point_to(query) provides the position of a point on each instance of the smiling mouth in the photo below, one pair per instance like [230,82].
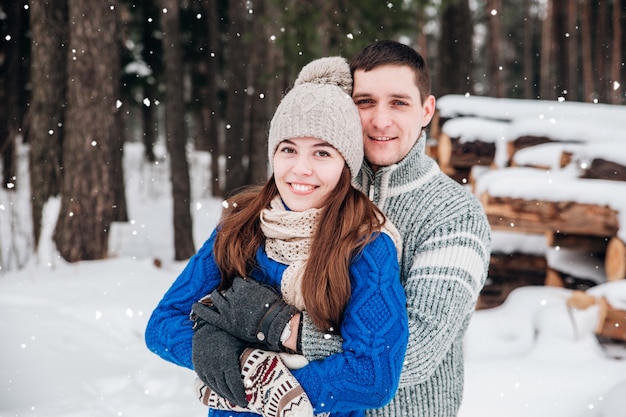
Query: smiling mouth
[381,138]
[302,187]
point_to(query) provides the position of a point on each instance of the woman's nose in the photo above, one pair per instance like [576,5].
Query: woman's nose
[302,166]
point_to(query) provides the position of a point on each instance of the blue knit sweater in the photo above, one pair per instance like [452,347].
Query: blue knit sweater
[374,330]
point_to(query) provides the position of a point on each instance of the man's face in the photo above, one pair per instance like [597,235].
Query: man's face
[392,113]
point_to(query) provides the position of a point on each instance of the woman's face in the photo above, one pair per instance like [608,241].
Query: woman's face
[306,171]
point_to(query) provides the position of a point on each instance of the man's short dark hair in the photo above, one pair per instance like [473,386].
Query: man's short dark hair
[388,52]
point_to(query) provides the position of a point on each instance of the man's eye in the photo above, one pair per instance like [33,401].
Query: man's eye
[363,102]
[399,103]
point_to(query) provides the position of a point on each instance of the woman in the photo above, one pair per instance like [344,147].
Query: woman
[309,233]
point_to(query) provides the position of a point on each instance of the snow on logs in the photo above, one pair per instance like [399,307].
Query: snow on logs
[573,213]
[474,131]
[555,169]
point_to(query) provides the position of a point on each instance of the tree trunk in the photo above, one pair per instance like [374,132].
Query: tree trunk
[560,48]
[87,191]
[14,65]
[151,46]
[616,87]
[601,50]
[529,69]
[263,67]
[48,28]
[573,51]
[212,111]
[586,52]
[236,110]
[149,122]
[495,42]
[456,49]
[421,39]
[175,131]
[120,211]
[545,73]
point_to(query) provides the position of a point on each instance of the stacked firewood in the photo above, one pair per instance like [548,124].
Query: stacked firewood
[541,168]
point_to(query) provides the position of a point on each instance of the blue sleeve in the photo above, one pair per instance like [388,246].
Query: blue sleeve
[169,329]
[375,333]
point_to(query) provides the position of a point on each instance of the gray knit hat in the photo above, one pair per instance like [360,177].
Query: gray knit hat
[320,106]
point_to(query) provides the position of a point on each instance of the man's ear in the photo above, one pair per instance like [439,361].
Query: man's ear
[429,110]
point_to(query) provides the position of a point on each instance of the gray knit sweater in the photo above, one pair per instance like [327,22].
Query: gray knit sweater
[446,249]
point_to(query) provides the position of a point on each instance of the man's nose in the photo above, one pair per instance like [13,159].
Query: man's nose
[381,118]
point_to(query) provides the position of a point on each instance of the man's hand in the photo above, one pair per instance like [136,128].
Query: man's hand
[251,311]
[215,357]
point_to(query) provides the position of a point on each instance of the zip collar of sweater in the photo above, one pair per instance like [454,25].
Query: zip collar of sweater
[414,170]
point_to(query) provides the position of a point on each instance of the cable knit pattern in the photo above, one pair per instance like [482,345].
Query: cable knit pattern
[445,258]
[374,330]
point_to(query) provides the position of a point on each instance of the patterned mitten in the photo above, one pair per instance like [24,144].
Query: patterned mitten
[271,389]
[212,399]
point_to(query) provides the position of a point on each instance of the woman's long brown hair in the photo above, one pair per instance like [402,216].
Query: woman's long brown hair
[347,223]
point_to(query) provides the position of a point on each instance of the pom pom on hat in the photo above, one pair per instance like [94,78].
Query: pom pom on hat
[333,70]
[320,106]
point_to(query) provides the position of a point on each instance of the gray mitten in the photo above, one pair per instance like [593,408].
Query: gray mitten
[251,311]
[215,357]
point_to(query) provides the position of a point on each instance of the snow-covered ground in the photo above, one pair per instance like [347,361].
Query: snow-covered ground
[73,333]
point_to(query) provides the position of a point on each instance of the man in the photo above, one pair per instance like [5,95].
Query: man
[445,233]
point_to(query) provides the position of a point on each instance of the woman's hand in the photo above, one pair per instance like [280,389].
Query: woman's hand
[215,357]
[250,311]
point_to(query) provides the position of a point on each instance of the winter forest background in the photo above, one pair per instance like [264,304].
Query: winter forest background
[81,78]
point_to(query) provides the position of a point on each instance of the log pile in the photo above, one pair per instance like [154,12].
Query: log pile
[591,228]
[474,135]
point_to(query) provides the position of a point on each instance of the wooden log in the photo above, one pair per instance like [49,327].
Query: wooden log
[435,125]
[460,175]
[566,159]
[468,154]
[432,149]
[539,216]
[605,170]
[533,165]
[585,243]
[612,322]
[581,300]
[444,151]
[453,154]
[545,156]
[524,142]
[615,260]
[556,278]
[508,271]
[528,141]
[520,268]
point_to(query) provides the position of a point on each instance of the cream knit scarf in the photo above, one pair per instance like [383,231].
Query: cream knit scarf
[288,236]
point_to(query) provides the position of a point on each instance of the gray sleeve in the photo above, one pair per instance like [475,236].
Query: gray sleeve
[317,344]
